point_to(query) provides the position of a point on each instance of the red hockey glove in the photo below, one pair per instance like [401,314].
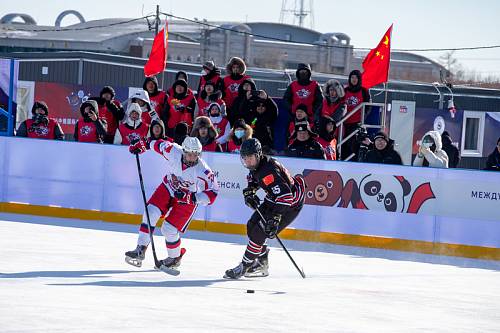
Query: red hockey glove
[138,146]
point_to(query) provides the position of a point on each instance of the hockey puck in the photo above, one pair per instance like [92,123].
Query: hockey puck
[250,291]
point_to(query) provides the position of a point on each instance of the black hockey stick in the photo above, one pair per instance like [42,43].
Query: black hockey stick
[301,272]
[157,263]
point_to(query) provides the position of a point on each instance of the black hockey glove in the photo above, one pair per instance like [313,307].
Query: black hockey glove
[185,197]
[251,199]
[272,225]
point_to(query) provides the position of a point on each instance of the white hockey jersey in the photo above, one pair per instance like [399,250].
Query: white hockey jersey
[198,179]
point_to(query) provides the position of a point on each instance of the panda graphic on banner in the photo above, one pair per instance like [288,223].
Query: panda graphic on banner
[371,192]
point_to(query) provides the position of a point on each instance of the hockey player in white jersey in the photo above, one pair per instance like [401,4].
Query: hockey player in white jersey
[188,182]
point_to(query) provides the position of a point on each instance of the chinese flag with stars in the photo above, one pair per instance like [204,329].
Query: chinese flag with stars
[158,56]
[376,63]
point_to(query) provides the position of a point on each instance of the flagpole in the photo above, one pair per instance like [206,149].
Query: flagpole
[386,84]
[157,24]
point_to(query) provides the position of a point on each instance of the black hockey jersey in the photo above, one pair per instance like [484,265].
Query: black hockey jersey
[281,188]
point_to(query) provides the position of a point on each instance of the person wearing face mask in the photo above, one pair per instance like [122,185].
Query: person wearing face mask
[220,122]
[204,130]
[90,128]
[111,110]
[239,133]
[157,97]
[355,94]
[210,73]
[148,113]
[382,151]
[180,106]
[133,128]
[40,126]
[430,152]
[235,69]
[304,91]
[208,96]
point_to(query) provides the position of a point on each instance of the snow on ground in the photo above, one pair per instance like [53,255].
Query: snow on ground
[61,275]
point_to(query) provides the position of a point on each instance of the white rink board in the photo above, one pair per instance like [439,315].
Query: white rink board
[104,178]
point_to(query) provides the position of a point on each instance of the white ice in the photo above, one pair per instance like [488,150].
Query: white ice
[59,275]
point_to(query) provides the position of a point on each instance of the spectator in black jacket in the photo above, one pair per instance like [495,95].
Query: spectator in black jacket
[304,143]
[246,90]
[382,151]
[261,113]
[180,132]
[493,161]
[450,149]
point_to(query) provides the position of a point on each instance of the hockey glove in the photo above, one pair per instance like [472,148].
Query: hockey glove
[272,225]
[251,200]
[138,146]
[185,197]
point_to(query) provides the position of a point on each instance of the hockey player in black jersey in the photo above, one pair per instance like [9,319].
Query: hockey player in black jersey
[283,201]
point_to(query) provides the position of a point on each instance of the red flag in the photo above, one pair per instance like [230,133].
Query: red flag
[376,63]
[158,56]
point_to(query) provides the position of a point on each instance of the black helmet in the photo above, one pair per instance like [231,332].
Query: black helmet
[249,147]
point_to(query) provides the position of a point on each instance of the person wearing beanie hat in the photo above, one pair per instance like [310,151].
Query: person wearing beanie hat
[235,69]
[90,128]
[304,91]
[300,115]
[304,143]
[40,126]
[180,106]
[210,72]
[239,133]
[493,161]
[382,151]
[110,110]
[328,137]
[180,75]
[157,97]
[208,96]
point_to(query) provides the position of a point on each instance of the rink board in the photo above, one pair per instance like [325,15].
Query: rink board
[452,212]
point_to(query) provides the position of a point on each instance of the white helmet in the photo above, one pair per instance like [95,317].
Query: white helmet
[191,145]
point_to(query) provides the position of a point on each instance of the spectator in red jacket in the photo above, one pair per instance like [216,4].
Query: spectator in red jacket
[111,110]
[304,91]
[90,128]
[211,73]
[180,106]
[141,97]
[220,122]
[208,96]
[40,126]
[133,128]
[334,105]
[204,130]
[239,133]
[157,97]
[235,69]
[180,75]
[355,94]
[327,137]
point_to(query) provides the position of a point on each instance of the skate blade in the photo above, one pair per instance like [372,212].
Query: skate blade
[133,262]
[168,270]
[256,274]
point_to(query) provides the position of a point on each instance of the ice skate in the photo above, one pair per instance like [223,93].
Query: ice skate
[135,257]
[170,265]
[260,266]
[237,272]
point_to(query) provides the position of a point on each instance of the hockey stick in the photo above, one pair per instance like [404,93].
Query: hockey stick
[157,263]
[301,272]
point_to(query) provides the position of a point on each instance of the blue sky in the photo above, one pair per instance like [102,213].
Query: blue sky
[417,24]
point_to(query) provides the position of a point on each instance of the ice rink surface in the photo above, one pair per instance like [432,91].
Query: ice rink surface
[61,275]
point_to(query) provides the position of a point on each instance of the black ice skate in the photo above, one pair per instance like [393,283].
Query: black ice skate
[238,271]
[135,257]
[260,266]
[170,265]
